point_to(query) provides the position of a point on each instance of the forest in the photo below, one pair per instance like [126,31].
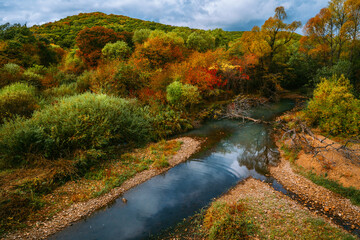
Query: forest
[75,92]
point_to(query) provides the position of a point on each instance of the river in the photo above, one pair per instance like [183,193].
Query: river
[234,151]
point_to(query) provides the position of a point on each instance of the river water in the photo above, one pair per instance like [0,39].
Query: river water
[234,151]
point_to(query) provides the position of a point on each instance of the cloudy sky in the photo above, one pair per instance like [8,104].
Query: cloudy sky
[205,14]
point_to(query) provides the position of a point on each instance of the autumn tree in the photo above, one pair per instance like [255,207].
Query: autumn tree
[333,36]
[271,39]
[92,40]
[352,26]
[161,49]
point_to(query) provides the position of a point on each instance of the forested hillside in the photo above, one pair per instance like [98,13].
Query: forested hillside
[64,31]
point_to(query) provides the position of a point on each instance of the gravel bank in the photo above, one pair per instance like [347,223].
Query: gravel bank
[328,202]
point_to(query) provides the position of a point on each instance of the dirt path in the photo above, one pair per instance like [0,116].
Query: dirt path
[75,212]
[328,202]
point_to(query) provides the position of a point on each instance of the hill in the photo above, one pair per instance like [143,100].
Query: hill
[64,31]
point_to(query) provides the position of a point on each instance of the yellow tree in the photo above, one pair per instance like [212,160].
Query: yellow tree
[352,26]
[333,33]
[272,39]
[319,40]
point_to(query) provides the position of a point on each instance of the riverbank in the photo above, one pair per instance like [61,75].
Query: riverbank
[260,212]
[324,200]
[77,211]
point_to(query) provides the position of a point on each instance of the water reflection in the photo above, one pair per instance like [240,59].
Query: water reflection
[234,152]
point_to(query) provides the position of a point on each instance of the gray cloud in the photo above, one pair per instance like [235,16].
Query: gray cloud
[206,14]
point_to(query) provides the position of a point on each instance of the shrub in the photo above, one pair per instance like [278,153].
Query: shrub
[341,67]
[182,95]
[334,108]
[10,73]
[223,221]
[83,82]
[118,50]
[32,78]
[65,78]
[82,122]
[120,79]
[11,68]
[17,99]
[167,122]
[64,90]
[141,35]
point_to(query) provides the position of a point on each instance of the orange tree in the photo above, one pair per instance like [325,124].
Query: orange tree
[92,40]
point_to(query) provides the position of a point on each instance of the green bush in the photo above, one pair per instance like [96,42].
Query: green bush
[32,78]
[342,67]
[17,99]
[167,122]
[182,95]
[118,50]
[76,123]
[83,82]
[141,35]
[334,108]
[64,90]
[10,73]
[65,78]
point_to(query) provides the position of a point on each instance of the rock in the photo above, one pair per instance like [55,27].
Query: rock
[124,200]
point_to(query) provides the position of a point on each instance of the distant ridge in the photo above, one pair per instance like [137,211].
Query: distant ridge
[64,31]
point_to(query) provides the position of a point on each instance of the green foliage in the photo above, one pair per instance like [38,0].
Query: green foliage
[9,73]
[19,45]
[18,99]
[300,71]
[32,78]
[348,192]
[161,162]
[73,63]
[118,50]
[342,67]
[167,122]
[141,35]
[224,221]
[81,122]
[64,90]
[65,78]
[83,82]
[201,41]
[11,68]
[334,108]
[16,32]
[182,95]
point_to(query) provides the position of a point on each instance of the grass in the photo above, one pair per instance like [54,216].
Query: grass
[348,192]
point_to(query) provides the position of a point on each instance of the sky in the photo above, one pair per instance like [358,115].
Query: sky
[230,15]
